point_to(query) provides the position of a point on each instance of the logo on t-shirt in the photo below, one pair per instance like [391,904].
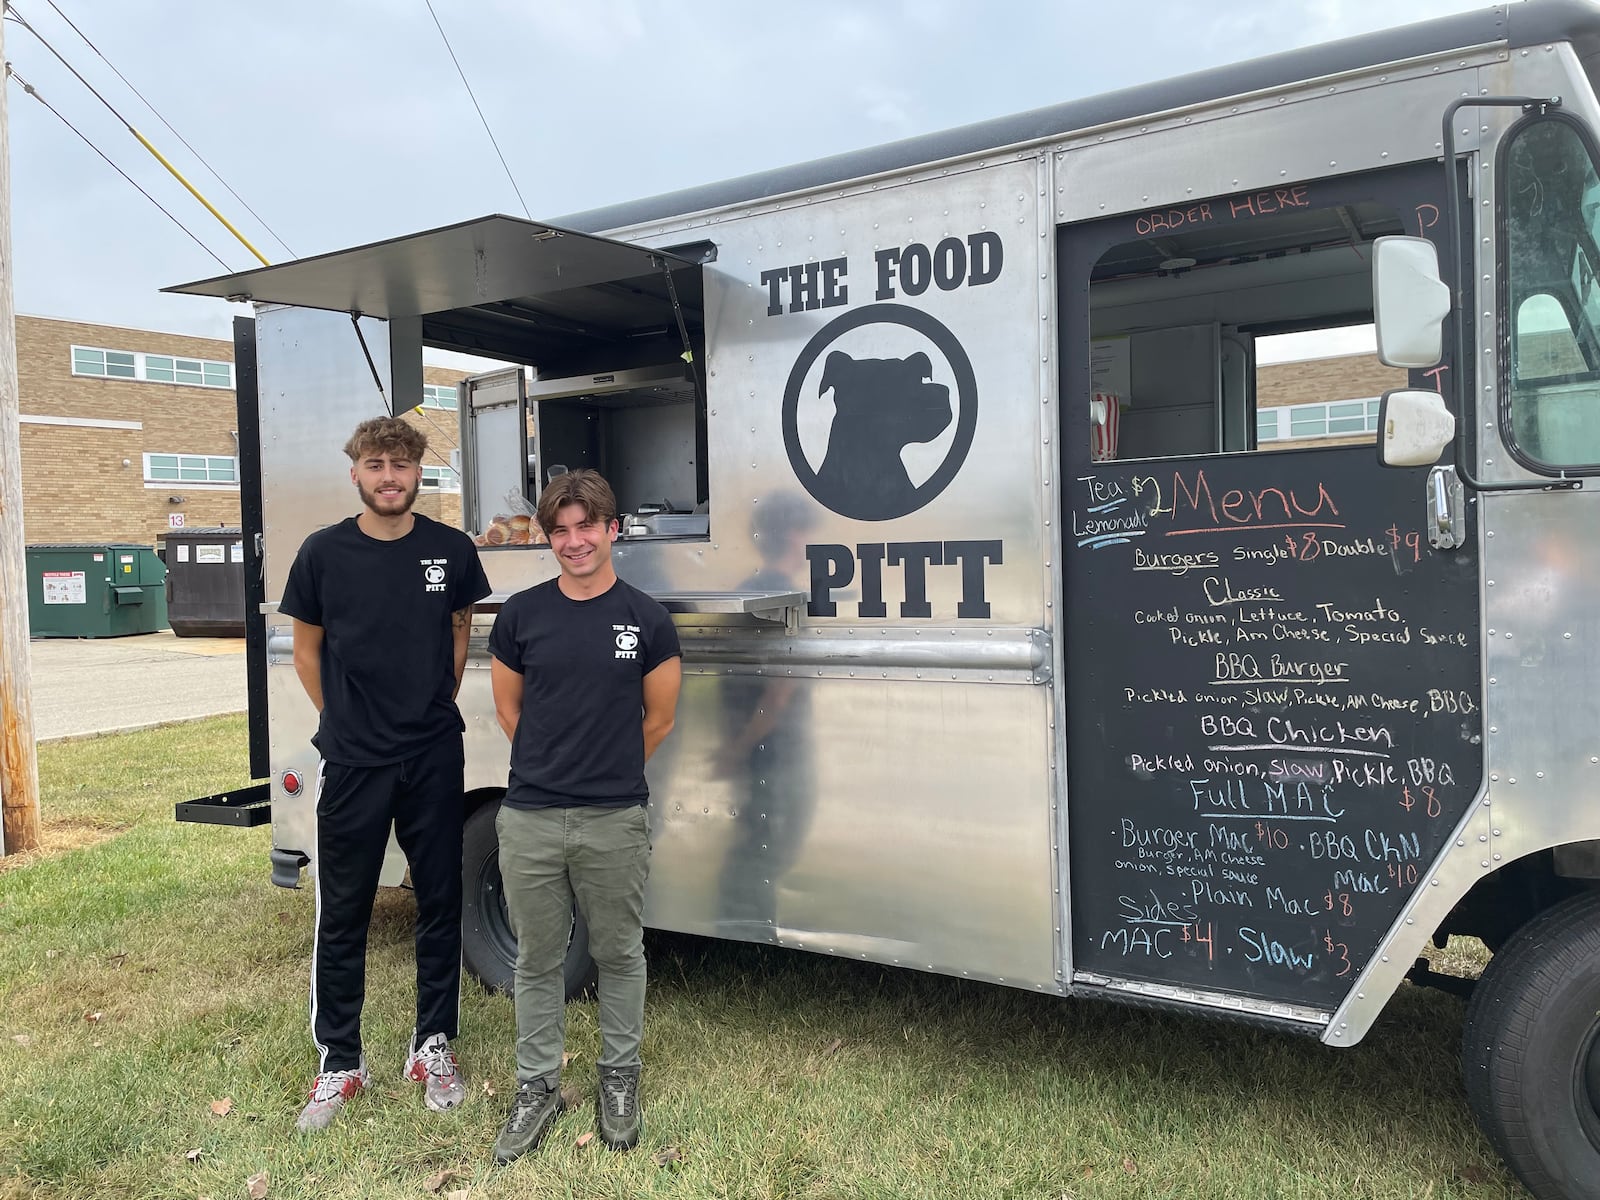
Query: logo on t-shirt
[627,641]
[433,573]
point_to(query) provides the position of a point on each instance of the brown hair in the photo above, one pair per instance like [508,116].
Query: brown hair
[387,435]
[582,486]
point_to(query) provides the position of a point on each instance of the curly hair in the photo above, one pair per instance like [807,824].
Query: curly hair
[387,435]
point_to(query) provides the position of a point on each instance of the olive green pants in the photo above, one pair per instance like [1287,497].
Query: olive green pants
[599,857]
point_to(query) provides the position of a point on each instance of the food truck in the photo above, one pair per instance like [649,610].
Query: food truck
[1016,647]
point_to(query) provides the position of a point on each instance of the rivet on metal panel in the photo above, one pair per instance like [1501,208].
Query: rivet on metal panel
[1494,729]
[1484,864]
[1566,637]
[1411,920]
[1483,837]
[1384,957]
[1497,833]
[1490,533]
[1383,154]
[1508,635]
[1496,857]
[1487,801]
[1511,778]
[1494,778]
[1461,841]
[1538,774]
[1433,882]
[1490,582]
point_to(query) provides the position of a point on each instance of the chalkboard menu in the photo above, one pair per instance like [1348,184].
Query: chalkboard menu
[1273,716]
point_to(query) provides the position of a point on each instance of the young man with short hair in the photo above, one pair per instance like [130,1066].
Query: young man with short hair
[382,609]
[586,674]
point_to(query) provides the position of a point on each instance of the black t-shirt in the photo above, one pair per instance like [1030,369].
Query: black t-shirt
[580,738]
[388,671]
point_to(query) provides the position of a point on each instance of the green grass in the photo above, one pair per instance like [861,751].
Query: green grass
[773,1074]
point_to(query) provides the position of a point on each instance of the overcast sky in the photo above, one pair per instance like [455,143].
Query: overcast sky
[344,121]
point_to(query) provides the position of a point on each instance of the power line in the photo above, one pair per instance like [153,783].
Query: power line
[481,117]
[143,141]
[32,91]
[168,124]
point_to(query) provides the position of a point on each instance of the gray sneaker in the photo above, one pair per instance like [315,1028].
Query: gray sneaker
[533,1111]
[329,1091]
[617,1105]
[434,1066]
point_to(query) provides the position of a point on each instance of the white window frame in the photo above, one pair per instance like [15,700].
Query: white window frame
[1284,414]
[208,463]
[432,396]
[440,479]
[141,368]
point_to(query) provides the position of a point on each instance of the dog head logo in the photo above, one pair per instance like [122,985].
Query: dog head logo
[880,407]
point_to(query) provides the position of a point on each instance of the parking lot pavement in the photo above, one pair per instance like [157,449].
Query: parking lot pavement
[100,685]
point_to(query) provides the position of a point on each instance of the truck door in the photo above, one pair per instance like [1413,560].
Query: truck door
[497,457]
[1272,675]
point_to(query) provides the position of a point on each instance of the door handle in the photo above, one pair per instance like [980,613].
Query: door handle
[1447,519]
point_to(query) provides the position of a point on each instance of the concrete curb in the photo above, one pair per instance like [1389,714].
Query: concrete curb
[137,728]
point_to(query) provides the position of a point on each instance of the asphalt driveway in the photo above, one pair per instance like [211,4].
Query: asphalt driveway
[84,686]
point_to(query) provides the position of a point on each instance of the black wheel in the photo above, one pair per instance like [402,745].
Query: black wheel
[488,947]
[1531,1051]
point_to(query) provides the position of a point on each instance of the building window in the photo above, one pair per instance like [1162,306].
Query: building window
[152,368]
[109,364]
[190,468]
[435,396]
[1330,419]
[441,479]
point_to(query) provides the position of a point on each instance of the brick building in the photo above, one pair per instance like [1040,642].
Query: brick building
[127,432]
[1321,401]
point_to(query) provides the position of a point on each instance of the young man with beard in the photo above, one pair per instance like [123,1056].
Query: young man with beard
[382,608]
[586,674]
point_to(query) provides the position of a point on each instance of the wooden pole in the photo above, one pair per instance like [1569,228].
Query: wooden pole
[19,765]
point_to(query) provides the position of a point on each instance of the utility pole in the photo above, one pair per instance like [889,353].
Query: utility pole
[19,764]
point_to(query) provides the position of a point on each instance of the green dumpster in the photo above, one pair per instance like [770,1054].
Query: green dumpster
[102,590]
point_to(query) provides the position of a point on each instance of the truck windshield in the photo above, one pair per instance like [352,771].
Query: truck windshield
[1550,209]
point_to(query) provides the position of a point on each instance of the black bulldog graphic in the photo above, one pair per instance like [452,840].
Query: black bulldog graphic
[881,406]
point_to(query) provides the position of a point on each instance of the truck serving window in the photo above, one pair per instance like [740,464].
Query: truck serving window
[1550,247]
[1237,324]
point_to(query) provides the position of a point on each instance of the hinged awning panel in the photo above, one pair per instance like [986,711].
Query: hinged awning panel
[479,262]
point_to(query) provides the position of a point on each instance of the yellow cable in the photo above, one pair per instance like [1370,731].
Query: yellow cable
[178,175]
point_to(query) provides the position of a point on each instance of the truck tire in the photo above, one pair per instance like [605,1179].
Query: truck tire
[1531,1051]
[488,948]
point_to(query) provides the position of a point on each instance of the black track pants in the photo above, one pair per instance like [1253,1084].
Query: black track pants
[422,799]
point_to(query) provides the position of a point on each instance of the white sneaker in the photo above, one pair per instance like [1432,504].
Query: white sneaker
[434,1066]
[329,1091]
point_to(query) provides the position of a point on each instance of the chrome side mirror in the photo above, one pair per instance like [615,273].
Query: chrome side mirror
[1414,427]
[1409,302]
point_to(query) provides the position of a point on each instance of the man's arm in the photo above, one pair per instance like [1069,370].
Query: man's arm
[507,686]
[308,659]
[661,702]
[460,633]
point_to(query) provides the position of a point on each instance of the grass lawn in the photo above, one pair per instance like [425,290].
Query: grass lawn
[149,970]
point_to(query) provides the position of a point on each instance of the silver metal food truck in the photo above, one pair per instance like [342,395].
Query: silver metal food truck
[1012,649]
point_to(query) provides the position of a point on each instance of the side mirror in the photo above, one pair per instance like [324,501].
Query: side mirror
[1409,302]
[1414,427]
